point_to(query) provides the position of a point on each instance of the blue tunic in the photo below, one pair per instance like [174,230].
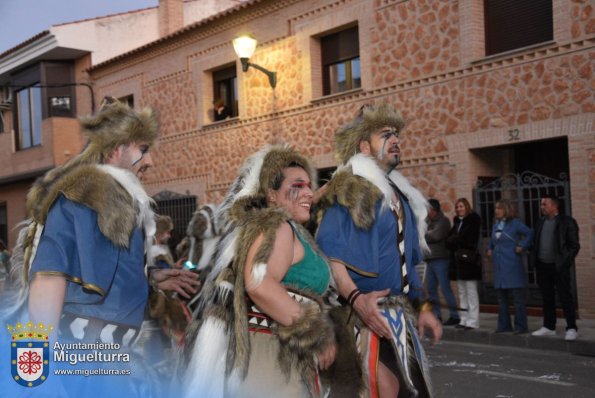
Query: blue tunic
[104,281]
[372,256]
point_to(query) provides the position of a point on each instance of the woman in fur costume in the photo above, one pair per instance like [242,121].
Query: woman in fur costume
[264,329]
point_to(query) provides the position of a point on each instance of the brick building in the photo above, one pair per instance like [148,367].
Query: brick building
[499,98]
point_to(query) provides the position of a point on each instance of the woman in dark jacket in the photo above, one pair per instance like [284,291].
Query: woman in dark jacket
[465,263]
[510,237]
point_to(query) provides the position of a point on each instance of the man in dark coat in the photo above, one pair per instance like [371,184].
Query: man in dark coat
[556,246]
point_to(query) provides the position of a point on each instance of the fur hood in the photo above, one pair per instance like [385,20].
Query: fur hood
[360,183]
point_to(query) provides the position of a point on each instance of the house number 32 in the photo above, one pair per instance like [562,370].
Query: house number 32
[513,135]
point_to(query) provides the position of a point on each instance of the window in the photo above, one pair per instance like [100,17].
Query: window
[225,93]
[511,24]
[1,121]
[29,108]
[340,61]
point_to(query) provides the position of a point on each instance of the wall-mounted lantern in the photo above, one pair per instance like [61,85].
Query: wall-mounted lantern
[244,47]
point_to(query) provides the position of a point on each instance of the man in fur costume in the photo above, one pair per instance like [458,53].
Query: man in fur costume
[373,231]
[263,329]
[81,257]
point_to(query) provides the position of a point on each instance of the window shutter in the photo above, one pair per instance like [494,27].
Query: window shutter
[511,24]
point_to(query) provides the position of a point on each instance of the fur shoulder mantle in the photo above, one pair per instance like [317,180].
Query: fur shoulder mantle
[360,183]
[114,194]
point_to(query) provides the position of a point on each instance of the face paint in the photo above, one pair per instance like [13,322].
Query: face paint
[294,190]
[143,150]
[386,135]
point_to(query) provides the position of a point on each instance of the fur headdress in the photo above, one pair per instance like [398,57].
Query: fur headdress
[369,119]
[114,125]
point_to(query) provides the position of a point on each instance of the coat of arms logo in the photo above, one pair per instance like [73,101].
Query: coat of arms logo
[30,353]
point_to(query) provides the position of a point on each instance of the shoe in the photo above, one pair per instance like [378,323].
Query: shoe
[459,326]
[469,328]
[571,335]
[503,331]
[452,322]
[524,331]
[543,331]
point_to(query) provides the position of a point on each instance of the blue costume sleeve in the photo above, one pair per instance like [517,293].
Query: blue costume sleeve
[371,256]
[104,281]
[71,245]
[342,241]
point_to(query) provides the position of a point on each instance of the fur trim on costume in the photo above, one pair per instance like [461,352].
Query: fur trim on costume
[99,188]
[160,253]
[359,184]
[310,334]
[368,120]
[206,371]
[203,232]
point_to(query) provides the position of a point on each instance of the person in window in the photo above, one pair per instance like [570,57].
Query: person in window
[264,329]
[465,262]
[510,237]
[221,110]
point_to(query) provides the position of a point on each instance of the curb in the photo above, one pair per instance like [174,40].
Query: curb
[488,337]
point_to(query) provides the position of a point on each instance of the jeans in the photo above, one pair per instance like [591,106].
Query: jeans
[551,280]
[520,310]
[437,275]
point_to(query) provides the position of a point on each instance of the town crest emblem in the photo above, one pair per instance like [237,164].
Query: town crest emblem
[29,353]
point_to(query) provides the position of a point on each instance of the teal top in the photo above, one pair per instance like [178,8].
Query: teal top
[310,273]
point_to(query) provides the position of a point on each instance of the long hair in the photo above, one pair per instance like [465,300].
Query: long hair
[465,202]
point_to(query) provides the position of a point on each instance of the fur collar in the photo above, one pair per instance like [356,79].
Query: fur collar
[115,194]
[360,183]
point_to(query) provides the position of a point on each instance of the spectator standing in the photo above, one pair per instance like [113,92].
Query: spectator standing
[556,246]
[437,261]
[465,263]
[510,237]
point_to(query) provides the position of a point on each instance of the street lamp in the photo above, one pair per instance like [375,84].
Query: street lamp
[244,47]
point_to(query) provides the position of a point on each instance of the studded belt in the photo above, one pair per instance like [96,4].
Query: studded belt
[92,330]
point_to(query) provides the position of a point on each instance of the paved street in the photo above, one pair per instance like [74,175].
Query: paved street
[462,370]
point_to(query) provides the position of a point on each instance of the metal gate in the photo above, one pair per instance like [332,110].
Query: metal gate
[180,208]
[524,190]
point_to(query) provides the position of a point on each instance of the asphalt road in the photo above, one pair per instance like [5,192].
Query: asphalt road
[462,370]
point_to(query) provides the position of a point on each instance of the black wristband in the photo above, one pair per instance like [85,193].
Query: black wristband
[350,296]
